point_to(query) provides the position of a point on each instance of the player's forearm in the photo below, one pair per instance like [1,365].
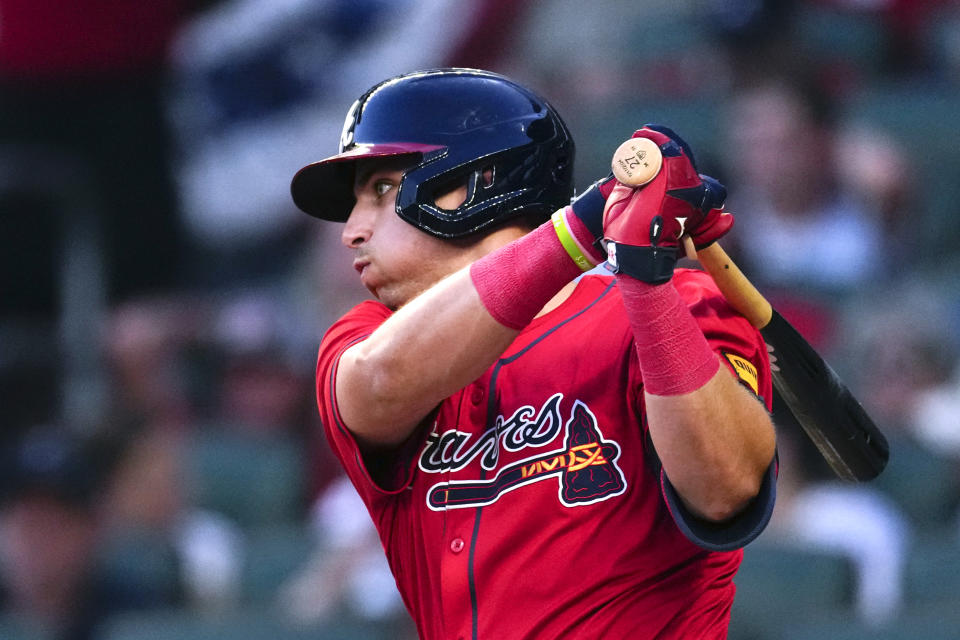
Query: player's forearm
[714,439]
[428,350]
[715,444]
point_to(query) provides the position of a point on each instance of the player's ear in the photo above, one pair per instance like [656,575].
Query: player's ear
[450,198]
[452,195]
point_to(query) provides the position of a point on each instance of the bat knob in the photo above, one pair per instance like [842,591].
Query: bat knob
[636,162]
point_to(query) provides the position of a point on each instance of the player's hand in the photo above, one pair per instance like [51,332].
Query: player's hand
[589,206]
[716,222]
[642,226]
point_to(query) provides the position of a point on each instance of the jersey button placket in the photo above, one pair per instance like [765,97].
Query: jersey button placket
[454,580]
[477,394]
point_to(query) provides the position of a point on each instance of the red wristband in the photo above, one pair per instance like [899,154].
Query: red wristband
[516,280]
[675,357]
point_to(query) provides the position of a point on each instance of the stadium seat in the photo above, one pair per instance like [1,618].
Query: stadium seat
[926,486]
[255,481]
[777,583]
[834,34]
[932,576]
[272,556]
[932,624]
[13,627]
[254,624]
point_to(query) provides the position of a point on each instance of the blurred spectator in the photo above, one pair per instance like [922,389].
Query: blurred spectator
[157,370]
[934,416]
[266,382]
[896,357]
[875,169]
[797,230]
[348,575]
[155,539]
[51,532]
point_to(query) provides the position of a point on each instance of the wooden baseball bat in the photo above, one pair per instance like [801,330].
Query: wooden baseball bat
[832,418]
[830,415]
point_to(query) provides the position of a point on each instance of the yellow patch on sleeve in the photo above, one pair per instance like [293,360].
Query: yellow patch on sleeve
[745,371]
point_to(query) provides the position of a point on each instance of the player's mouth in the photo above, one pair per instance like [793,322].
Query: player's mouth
[367,275]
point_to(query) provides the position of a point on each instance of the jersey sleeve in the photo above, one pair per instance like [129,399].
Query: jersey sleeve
[740,346]
[742,349]
[371,475]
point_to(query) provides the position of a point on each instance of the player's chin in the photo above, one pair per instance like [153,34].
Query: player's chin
[394,295]
[370,280]
[383,292]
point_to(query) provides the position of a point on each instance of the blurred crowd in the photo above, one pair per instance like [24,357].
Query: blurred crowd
[162,468]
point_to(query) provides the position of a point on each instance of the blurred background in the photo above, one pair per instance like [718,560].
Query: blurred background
[163,471]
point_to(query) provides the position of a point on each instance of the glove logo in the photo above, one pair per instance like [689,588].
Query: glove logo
[683,225]
[656,228]
[612,254]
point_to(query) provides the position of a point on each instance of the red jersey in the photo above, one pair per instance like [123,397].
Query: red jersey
[532,505]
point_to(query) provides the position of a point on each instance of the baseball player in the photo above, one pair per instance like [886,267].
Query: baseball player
[544,456]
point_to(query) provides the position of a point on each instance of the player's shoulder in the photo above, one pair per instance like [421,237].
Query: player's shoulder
[364,311]
[695,285]
[712,311]
[363,317]
[594,282]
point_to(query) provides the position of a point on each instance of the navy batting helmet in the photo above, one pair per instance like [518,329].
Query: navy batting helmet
[464,126]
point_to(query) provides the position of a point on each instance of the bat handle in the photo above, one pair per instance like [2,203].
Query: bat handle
[739,292]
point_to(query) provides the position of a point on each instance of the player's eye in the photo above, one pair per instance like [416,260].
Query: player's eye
[382,187]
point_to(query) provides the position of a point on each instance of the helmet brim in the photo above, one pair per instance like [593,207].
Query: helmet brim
[324,189]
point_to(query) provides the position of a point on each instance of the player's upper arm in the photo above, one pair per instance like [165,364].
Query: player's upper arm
[340,385]
[364,401]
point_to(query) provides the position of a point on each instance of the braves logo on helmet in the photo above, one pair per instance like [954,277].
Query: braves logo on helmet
[349,124]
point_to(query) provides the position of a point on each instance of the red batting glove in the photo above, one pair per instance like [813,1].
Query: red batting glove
[716,222]
[643,226]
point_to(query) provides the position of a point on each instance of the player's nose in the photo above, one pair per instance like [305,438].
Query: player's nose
[359,226]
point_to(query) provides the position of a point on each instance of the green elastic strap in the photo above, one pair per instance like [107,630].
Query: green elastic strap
[569,243]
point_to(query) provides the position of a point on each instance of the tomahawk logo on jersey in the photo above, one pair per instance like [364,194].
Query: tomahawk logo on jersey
[586,464]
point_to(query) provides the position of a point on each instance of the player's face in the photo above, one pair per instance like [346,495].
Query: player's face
[395,260]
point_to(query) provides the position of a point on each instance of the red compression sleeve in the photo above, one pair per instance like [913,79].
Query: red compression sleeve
[516,280]
[675,357]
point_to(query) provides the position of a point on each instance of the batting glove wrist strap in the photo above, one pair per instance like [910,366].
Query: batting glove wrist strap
[653,265]
[589,206]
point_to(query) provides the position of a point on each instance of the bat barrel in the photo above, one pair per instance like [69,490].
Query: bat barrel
[833,419]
